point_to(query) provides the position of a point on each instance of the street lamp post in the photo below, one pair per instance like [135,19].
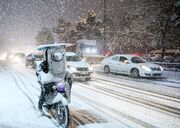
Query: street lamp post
[104,20]
[105,7]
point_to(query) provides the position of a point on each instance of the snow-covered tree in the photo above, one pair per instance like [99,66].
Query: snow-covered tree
[44,36]
[66,31]
[90,27]
[86,28]
[141,26]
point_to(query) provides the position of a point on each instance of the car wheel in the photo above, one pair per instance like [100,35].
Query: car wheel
[107,69]
[135,73]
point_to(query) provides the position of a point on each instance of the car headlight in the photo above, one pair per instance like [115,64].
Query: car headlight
[161,68]
[90,68]
[11,57]
[17,59]
[145,68]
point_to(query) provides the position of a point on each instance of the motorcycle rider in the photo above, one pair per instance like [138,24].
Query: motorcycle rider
[43,67]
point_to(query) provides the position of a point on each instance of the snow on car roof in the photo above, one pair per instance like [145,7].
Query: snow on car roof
[129,56]
[48,46]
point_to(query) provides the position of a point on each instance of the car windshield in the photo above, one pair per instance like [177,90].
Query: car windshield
[73,58]
[138,60]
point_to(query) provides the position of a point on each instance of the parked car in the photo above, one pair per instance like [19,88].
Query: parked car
[169,59]
[131,65]
[31,60]
[78,67]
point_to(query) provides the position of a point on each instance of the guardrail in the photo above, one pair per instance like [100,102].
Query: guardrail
[165,63]
[168,65]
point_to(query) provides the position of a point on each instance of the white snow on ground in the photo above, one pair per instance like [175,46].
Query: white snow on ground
[17,111]
[172,75]
[149,116]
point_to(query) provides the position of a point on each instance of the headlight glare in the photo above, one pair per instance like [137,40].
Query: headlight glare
[90,68]
[145,68]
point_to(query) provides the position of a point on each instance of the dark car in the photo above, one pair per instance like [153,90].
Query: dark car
[31,60]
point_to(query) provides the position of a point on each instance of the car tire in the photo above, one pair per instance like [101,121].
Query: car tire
[106,69]
[134,73]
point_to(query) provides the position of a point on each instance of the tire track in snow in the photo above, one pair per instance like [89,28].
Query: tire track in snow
[134,100]
[25,94]
[19,75]
[75,120]
[134,89]
[128,117]
[139,88]
[141,80]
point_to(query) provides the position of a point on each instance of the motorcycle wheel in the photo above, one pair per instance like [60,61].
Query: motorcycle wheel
[63,116]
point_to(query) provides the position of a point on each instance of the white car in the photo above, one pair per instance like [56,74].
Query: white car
[78,67]
[131,65]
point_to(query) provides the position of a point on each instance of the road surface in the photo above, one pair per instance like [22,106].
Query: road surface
[107,101]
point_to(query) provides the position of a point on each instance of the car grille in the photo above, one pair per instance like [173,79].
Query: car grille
[82,69]
[155,69]
[79,75]
[157,74]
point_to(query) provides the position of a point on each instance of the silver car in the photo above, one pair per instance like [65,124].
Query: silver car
[131,65]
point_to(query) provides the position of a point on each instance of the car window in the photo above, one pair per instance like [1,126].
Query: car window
[73,58]
[114,58]
[122,59]
[137,60]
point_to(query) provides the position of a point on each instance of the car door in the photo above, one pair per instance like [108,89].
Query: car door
[114,63]
[122,66]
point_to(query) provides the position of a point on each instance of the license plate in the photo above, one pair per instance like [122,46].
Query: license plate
[84,73]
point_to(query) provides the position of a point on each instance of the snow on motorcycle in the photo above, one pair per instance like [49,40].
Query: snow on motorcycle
[56,103]
[55,88]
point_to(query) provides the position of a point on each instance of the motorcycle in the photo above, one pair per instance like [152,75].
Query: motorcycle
[56,103]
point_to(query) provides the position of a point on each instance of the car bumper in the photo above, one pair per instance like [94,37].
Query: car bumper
[151,74]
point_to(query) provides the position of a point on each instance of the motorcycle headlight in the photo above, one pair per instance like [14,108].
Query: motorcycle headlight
[145,68]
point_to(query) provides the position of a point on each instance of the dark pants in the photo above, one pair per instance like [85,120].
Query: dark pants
[41,99]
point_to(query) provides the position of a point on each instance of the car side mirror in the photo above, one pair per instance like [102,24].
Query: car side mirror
[126,61]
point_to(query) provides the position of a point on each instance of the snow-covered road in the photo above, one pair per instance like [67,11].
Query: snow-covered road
[103,102]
